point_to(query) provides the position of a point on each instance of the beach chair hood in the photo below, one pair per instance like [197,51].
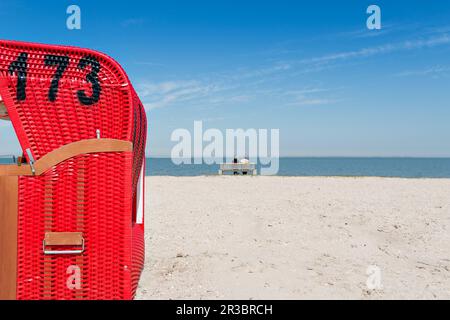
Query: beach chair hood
[78,106]
[67,92]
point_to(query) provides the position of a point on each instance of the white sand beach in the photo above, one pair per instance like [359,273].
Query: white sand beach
[226,237]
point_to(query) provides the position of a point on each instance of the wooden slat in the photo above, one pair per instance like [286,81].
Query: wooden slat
[15,170]
[8,237]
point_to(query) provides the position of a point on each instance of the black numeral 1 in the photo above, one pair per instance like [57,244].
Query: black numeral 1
[62,62]
[92,77]
[20,67]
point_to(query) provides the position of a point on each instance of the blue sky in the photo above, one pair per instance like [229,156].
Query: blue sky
[311,69]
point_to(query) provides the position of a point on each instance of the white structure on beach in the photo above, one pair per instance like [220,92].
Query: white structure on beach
[243,167]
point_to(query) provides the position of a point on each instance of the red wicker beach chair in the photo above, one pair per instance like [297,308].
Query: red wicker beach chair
[71,217]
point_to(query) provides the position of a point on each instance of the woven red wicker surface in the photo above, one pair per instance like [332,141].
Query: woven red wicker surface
[57,95]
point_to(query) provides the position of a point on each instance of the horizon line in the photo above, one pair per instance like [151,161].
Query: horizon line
[307,156]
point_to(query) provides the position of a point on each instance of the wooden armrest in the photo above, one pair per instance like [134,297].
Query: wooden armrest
[66,152]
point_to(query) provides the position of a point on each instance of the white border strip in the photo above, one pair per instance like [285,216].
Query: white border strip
[140,197]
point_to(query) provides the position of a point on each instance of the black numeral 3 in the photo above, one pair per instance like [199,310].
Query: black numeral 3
[92,77]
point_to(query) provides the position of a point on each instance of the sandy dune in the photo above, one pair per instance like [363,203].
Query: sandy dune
[296,238]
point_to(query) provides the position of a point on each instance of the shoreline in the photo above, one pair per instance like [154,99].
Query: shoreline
[287,176]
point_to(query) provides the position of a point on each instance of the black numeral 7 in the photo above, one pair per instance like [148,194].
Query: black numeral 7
[62,62]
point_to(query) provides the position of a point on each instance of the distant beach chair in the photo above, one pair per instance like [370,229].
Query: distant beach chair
[73,214]
[237,167]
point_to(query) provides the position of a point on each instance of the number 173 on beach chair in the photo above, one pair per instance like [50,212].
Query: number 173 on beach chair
[72,210]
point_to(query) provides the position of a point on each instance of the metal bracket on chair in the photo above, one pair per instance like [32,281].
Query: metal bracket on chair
[71,252]
[32,161]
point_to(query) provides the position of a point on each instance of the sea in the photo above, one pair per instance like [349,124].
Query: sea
[307,167]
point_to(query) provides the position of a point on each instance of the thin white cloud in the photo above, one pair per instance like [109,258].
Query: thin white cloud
[159,95]
[434,71]
[285,69]
[313,96]
[227,99]
[213,119]
[363,32]
[243,85]
[312,102]
[383,49]
[278,67]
